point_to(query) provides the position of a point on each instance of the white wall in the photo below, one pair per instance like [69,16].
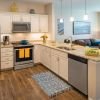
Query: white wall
[22,6]
[78,13]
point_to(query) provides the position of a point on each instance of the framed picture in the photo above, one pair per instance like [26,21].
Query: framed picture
[81,28]
[60,27]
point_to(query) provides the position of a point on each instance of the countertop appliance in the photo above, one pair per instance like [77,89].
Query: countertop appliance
[78,73]
[23,56]
[6,40]
[21,27]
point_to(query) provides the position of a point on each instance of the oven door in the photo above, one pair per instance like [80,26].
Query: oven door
[23,55]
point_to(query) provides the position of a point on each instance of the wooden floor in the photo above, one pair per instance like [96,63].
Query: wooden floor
[19,85]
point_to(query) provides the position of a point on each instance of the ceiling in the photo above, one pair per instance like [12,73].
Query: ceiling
[39,1]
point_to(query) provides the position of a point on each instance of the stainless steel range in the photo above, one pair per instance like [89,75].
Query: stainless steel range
[23,56]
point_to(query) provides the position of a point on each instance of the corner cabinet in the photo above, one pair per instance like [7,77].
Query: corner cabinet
[36,54]
[5,23]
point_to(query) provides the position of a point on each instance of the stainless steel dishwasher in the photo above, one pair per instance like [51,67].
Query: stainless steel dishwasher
[78,73]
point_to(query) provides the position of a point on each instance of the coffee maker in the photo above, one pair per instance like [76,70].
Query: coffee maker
[6,40]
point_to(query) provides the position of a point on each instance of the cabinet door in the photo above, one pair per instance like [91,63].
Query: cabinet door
[46,56]
[43,55]
[63,67]
[26,18]
[54,63]
[6,65]
[5,23]
[43,23]
[35,23]
[16,18]
[21,18]
[36,53]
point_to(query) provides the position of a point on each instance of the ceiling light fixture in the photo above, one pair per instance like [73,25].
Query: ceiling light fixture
[71,18]
[61,19]
[85,15]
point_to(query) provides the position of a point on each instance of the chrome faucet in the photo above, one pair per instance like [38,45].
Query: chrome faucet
[70,37]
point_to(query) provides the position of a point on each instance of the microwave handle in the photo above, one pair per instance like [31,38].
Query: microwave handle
[28,25]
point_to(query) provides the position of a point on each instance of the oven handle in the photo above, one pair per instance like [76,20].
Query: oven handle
[23,48]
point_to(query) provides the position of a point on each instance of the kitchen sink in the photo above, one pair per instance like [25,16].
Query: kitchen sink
[65,48]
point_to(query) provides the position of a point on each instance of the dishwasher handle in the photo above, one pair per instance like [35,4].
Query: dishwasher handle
[80,59]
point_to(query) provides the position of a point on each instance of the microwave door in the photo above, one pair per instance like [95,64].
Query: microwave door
[21,28]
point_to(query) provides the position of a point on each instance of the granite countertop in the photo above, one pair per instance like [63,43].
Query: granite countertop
[6,46]
[79,50]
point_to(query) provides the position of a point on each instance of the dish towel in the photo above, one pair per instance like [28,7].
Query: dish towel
[27,52]
[21,53]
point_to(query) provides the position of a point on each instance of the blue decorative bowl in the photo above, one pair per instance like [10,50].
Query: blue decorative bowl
[24,42]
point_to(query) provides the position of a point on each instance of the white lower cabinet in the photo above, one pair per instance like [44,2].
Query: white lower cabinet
[55,60]
[59,63]
[54,63]
[6,58]
[36,54]
[42,55]
[46,56]
[63,67]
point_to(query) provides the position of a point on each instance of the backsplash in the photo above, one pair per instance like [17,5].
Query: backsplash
[26,36]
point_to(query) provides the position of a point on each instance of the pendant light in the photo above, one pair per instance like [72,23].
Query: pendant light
[71,18]
[85,15]
[61,19]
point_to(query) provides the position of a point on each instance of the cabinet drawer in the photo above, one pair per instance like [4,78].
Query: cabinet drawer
[3,59]
[6,54]
[63,54]
[59,53]
[5,65]
[4,50]
[48,50]
[54,52]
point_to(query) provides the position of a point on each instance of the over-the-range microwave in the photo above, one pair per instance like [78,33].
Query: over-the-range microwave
[21,27]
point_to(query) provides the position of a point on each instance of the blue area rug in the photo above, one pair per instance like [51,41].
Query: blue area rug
[50,83]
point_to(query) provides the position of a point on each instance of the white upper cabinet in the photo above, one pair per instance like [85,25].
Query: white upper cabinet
[39,23]
[16,18]
[26,18]
[43,23]
[35,23]
[5,23]
[21,18]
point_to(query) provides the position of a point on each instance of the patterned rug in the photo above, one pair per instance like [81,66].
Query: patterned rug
[50,83]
